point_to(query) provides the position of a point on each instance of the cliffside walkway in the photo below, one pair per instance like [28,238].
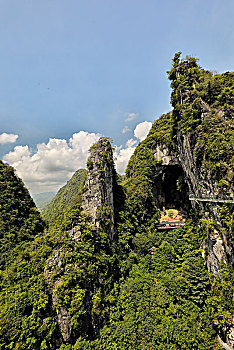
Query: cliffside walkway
[170,225]
[192,197]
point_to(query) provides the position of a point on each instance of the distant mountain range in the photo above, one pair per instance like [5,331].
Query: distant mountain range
[42,199]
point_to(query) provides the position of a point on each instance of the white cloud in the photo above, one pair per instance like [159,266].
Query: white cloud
[131,117]
[122,155]
[142,129]
[53,163]
[126,129]
[131,143]
[8,138]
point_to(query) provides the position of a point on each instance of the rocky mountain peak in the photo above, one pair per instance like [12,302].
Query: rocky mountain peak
[98,199]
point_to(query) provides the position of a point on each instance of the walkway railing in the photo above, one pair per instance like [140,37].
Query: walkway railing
[216,199]
[169,225]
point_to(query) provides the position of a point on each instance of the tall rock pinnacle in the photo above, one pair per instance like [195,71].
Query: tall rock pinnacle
[98,198]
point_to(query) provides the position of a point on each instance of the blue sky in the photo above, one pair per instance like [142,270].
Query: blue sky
[85,65]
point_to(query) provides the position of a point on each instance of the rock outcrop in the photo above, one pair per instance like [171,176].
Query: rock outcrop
[98,197]
[164,156]
[97,208]
[168,172]
[201,192]
[53,271]
[201,187]
[219,250]
[192,146]
[202,121]
[175,178]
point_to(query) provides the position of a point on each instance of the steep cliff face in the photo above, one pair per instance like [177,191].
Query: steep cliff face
[187,161]
[98,197]
[203,126]
[170,188]
[53,272]
[92,230]
[180,165]
[203,120]
[154,177]
[190,151]
[202,186]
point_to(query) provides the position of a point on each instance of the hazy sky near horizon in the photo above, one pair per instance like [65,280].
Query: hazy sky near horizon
[95,67]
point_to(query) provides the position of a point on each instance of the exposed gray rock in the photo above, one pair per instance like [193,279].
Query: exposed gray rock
[63,319]
[98,206]
[218,249]
[165,156]
[224,345]
[99,186]
[52,273]
[204,186]
[75,233]
[53,268]
[168,171]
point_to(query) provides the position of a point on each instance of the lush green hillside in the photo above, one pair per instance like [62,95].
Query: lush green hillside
[20,225]
[161,304]
[66,196]
[19,219]
[42,199]
[27,317]
[206,124]
[139,177]
[74,286]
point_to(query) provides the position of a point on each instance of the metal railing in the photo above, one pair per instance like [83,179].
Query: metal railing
[216,199]
[170,225]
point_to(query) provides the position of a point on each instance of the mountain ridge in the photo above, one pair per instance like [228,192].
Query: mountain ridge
[64,197]
[42,199]
[101,275]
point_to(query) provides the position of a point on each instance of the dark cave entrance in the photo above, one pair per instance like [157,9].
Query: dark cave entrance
[170,189]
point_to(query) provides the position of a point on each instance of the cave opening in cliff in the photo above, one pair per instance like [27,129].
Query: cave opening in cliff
[170,189]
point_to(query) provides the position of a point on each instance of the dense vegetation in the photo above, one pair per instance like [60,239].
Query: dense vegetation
[196,94]
[19,218]
[118,294]
[141,169]
[203,112]
[27,319]
[66,196]
[161,304]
